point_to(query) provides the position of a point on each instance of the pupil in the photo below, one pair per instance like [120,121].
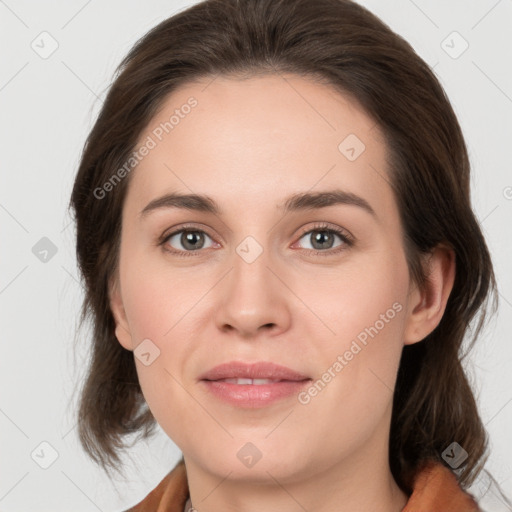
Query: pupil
[189,239]
[320,238]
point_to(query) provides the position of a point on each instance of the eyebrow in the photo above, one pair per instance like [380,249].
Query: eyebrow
[296,202]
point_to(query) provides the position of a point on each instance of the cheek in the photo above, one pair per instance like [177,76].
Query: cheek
[370,292]
[156,312]
[357,366]
[364,310]
[159,305]
[157,297]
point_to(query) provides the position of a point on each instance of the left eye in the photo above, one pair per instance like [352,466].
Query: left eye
[322,238]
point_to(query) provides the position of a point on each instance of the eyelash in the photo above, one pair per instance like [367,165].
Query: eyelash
[347,240]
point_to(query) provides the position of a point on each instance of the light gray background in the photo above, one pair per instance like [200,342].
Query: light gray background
[48,106]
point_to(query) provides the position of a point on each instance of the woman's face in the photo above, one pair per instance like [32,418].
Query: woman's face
[263,279]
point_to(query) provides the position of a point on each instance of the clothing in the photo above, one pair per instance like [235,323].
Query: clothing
[435,490]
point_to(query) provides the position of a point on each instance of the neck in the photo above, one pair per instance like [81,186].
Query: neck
[361,481]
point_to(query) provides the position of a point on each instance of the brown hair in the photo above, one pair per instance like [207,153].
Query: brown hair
[346,46]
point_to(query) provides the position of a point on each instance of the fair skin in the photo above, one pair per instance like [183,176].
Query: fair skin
[249,145]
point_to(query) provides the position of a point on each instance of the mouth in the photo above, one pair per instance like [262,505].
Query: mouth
[260,371]
[253,382]
[253,385]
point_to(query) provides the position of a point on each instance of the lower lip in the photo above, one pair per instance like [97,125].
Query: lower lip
[253,396]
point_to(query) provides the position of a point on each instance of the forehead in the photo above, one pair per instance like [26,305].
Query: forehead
[259,139]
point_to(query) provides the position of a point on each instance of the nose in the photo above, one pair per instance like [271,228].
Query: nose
[253,297]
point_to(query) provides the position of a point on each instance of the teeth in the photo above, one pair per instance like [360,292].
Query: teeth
[256,382]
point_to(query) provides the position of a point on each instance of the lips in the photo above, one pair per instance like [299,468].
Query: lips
[260,373]
[255,385]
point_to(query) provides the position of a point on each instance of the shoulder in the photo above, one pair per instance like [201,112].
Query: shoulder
[170,495]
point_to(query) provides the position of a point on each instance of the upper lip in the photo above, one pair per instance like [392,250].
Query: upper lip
[259,370]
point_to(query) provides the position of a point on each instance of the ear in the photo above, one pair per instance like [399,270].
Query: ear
[122,331]
[427,306]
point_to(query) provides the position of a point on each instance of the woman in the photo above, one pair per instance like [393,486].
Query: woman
[281,261]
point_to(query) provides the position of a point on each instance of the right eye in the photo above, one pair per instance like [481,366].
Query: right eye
[185,241]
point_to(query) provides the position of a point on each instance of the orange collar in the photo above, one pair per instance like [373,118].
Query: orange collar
[436,489]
